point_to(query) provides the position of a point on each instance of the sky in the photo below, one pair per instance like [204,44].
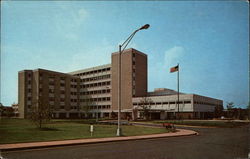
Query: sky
[209,40]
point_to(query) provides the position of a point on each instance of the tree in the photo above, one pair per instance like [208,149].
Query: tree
[230,106]
[145,105]
[87,104]
[40,113]
[218,111]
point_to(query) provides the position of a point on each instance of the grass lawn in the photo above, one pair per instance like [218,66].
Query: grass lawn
[20,130]
[213,123]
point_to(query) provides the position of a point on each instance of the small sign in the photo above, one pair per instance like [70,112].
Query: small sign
[91,130]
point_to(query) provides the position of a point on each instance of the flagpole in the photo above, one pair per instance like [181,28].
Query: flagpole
[178,90]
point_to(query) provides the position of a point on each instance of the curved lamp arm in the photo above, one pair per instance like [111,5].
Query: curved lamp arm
[126,42]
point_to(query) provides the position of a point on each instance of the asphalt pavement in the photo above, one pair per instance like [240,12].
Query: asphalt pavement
[211,143]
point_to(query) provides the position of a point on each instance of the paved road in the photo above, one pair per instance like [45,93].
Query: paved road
[212,143]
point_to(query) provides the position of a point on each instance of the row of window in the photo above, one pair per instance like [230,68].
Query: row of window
[95,71]
[81,93]
[100,107]
[205,103]
[51,99]
[95,78]
[62,78]
[89,107]
[95,99]
[160,103]
[95,92]
[96,84]
[63,85]
[84,86]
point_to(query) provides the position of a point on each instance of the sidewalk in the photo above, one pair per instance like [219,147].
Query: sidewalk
[33,145]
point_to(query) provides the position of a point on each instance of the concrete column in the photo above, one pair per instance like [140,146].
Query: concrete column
[163,115]
[135,114]
[67,115]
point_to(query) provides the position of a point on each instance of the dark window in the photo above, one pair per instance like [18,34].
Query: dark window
[187,102]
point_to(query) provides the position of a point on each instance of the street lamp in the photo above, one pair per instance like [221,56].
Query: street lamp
[124,45]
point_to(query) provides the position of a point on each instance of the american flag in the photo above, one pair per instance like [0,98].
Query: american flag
[174,69]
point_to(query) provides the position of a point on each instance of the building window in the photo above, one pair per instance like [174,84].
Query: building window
[187,102]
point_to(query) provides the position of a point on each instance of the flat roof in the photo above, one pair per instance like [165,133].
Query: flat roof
[132,50]
[90,69]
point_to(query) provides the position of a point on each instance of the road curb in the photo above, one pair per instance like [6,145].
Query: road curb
[49,144]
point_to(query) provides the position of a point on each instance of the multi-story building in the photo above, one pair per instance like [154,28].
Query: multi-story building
[93,92]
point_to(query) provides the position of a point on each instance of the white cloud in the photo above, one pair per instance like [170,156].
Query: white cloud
[90,58]
[69,21]
[159,75]
[173,56]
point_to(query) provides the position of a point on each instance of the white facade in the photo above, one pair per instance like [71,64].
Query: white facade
[190,104]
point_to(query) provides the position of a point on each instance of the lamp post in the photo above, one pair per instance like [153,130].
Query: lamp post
[122,47]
